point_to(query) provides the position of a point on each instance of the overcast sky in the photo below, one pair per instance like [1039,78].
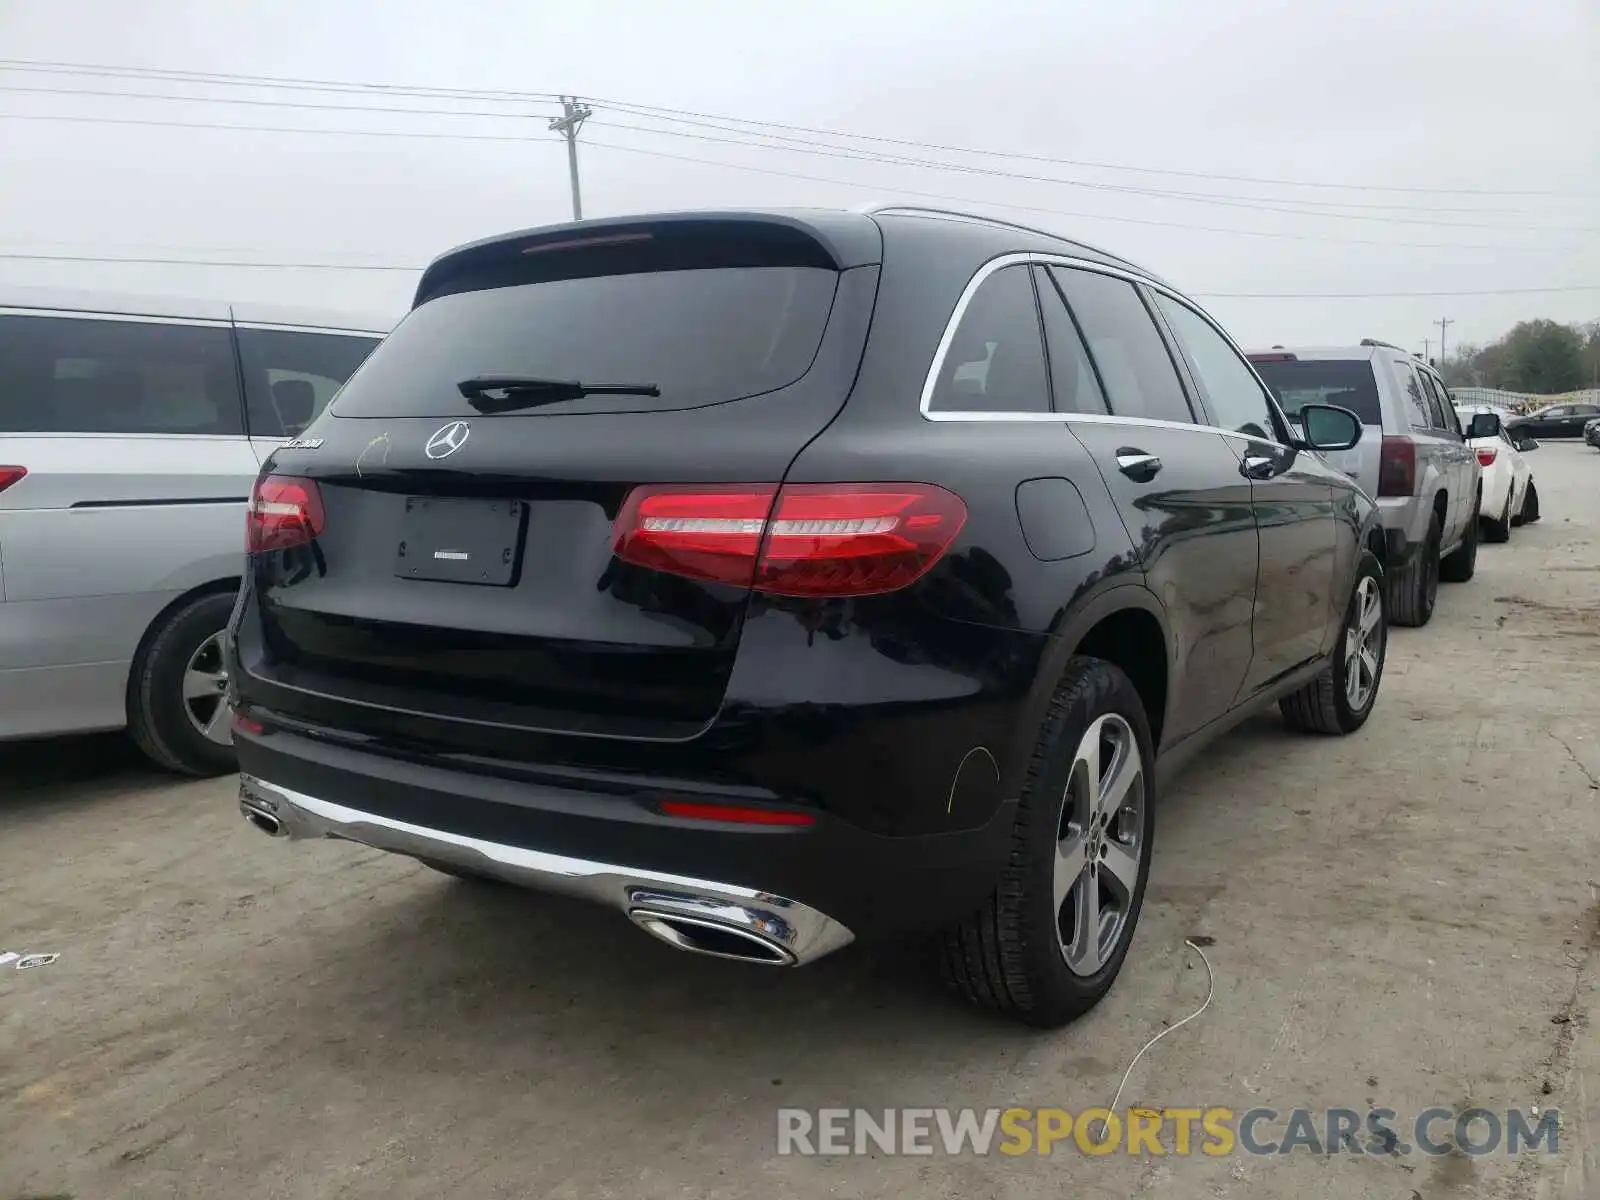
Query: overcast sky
[1468,95]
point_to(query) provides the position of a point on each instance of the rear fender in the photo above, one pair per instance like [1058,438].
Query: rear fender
[1121,592]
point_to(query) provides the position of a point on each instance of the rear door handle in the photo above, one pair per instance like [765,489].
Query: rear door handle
[1137,465]
[1257,466]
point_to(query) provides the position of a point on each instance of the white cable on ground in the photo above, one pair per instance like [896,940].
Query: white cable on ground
[1210,989]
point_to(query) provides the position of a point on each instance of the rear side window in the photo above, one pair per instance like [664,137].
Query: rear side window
[1072,379]
[76,375]
[1347,383]
[701,336]
[1434,402]
[1444,412]
[290,376]
[1131,356]
[1417,415]
[995,362]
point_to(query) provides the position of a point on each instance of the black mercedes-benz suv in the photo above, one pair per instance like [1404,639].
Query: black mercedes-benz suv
[784,578]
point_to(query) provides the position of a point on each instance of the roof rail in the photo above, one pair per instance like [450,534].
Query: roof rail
[1385,345]
[951,214]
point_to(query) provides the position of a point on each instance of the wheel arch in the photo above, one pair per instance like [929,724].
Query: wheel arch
[1125,625]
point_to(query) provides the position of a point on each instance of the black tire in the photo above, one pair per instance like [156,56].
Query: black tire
[1414,590]
[1530,504]
[1461,564]
[1324,705]
[1008,956]
[1499,531]
[160,718]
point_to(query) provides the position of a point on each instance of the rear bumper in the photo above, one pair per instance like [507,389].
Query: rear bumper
[820,885]
[795,933]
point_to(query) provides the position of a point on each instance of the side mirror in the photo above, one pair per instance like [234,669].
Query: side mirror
[1328,427]
[1525,442]
[1484,425]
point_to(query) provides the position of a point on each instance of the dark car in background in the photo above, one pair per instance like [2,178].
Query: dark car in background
[786,578]
[1556,421]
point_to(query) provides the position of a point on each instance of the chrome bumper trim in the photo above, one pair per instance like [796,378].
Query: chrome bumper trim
[799,932]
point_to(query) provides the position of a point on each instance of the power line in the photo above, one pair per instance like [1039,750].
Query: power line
[1266,203]
[482,137]
[1059,212]
[389,133]
[380,108]
[208,262]
[680,115]
[1122,189]
[725,128]
[322,266]
[233,79]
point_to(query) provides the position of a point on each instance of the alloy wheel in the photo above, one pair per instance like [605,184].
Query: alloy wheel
[1100,845]
[205,691]
[1363,645]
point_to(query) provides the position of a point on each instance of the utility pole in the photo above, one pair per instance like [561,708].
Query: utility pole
[1443,323]
[572,116]
[1426,342]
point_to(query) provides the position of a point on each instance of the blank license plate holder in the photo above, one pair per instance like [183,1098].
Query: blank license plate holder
[461,541]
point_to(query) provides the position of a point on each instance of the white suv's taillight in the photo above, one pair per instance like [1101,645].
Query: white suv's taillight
[284,511]
[10,475]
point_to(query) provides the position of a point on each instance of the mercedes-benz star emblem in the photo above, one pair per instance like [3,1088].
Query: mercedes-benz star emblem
[448,440]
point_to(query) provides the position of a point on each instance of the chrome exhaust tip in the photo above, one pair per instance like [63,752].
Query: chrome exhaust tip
[263,820]
[712,938]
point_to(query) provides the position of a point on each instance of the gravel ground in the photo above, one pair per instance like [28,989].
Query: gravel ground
[1404,918]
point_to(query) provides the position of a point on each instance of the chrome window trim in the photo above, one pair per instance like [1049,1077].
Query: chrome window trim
[54,434]
[269,327]
[1038,258]
[74,314]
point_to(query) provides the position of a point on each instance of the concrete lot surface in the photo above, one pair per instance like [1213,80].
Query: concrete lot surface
[1403,919]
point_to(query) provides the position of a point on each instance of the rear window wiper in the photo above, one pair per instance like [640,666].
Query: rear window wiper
[507,393]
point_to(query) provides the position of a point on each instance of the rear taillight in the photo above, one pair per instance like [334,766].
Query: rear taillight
[1486,456]
[1397,467]
[805,539]
[10,475]
[284,512]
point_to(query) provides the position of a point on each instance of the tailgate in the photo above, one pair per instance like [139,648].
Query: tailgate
[463,566]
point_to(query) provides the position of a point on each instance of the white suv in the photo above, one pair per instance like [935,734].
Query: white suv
[1415,460]
[131,432]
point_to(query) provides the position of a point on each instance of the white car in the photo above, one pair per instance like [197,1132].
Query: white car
[1509,495]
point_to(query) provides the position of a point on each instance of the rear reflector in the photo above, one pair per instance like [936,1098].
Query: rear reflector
[1486,456]
[1397,467]
[245,725]
[10,475]
[807,539]
[736,813]
[284,512]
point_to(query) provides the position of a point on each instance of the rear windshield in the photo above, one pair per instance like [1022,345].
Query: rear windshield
[1347,383]
[701,336]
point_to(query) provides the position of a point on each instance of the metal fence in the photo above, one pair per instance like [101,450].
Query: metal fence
[1521,402]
